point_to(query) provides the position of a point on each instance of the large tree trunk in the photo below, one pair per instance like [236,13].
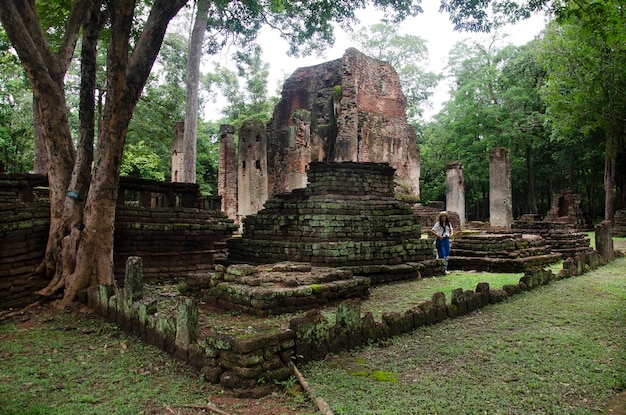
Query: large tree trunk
[532,194]
[40,160]
[194,56]
[80,246]
[126,77]
[72,218]
[610,160]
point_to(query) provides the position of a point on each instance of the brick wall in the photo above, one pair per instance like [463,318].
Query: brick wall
[23,236]
[173,240]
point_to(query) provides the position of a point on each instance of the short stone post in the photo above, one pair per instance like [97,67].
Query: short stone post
[133,280]
[455,190]
[186,326]
[604,240]
[500,188]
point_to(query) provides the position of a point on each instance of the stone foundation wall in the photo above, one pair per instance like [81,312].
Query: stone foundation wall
[251,363]
[174,241]
[171,241]
[23,236]
[559,237]
[500,252]
[280,289]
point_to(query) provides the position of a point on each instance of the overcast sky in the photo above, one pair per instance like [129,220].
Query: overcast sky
[431,25]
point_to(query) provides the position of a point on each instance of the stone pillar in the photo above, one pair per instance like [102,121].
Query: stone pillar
[500,188]
[299,149]
[455,190]
[177,152]
[227,173]
[604,240]
[252,180]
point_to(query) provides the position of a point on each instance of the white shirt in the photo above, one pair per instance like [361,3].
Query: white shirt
[442,231]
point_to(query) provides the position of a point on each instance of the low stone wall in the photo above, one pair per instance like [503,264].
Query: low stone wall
[23,237]
[171,241]
[252,362]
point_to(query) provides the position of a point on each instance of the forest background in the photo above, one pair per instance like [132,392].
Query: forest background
[557,102]
[542,100]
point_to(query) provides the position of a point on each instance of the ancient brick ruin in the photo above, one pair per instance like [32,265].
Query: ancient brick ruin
[501,252]
[343,232]
[500,188]
[567,210]
[347,216]
[619,223]
[252,179]
[169,225]
[349,109]
[227,171]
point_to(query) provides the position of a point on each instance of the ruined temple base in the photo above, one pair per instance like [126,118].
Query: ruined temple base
[290,287]
[266,290]
[619,223]
[501,252]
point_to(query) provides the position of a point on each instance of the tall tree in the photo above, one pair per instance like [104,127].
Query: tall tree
[245,88]
[194,55]
[495,103]
[586,91]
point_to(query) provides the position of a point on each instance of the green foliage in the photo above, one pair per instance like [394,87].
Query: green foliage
[16,118]
[140,161]
[207,159]
[586,89]
[487,15]
[245,89]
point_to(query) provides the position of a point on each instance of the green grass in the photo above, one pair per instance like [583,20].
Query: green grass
[69,365]
[403,296]
[560,349]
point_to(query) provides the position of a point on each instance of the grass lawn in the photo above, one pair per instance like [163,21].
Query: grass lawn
[560,349]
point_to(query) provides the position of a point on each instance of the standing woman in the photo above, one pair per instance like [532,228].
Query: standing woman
[443,231]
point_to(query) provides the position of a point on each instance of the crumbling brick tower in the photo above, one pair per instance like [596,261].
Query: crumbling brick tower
[349,109]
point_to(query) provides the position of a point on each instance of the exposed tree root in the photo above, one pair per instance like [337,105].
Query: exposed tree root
[211,408]
[322,405]
[7,315]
